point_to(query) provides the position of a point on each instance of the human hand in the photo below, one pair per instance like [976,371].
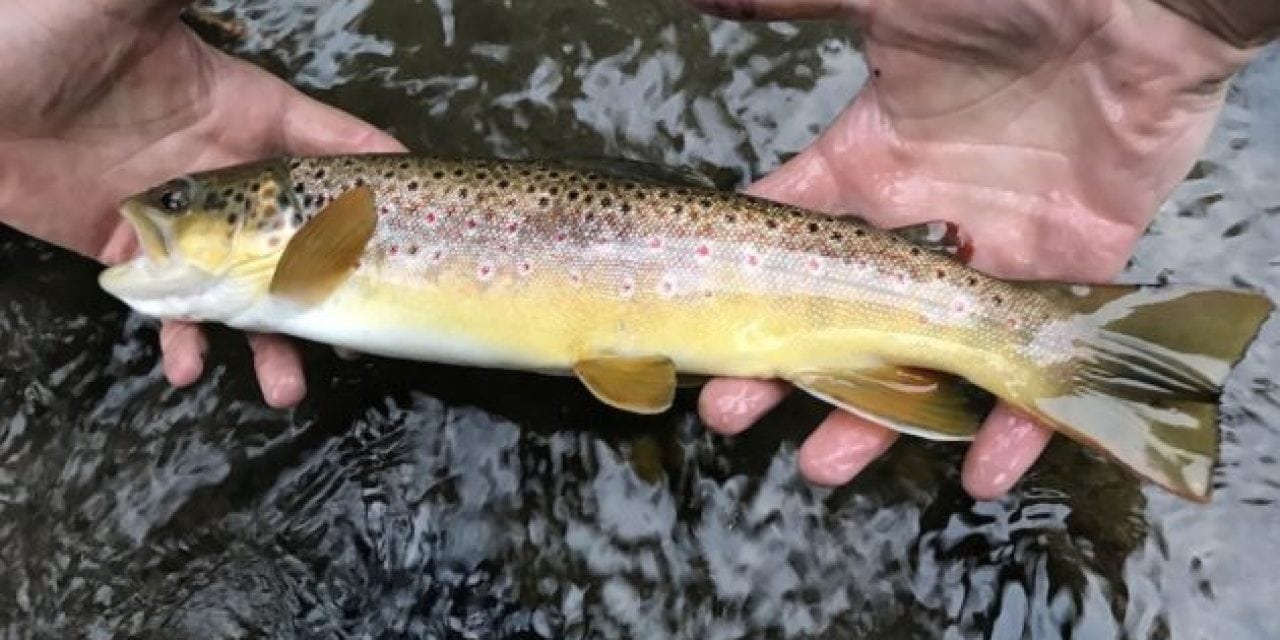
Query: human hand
[1049,130]
[101,99]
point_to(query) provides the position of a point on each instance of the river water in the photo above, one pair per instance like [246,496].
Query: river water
[412,500]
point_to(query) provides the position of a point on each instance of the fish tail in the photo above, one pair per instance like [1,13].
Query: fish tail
[1150,367]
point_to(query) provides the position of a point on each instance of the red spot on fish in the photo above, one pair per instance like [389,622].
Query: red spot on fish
[753,260]
[814,265]
[394,250]
[655,243]
[472,224]
[431,217]
[525,269]
[513,226]
[1012,322]
[628,288]
[485,270]
[561,237]
[704,250]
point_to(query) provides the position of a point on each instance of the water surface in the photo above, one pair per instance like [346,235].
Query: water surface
[412,500]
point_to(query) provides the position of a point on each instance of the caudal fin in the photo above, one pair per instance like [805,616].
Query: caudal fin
[1151,365]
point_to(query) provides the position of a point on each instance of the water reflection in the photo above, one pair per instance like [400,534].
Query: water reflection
[425,501]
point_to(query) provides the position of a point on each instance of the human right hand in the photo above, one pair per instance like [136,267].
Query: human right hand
[1049,130]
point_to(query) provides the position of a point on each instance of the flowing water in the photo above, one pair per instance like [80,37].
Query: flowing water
[411,500]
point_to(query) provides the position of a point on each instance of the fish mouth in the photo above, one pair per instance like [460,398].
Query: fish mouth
[151,237]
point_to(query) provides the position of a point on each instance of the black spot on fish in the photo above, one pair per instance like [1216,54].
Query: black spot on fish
[307,201]
[915,251]
[462,193]
[458,173]
[836,235]
[555,174]
[503,184]
[600,186]
[813,227]
[413,185]
[232,219]
[359,182]
[299,188]
[319,174]
[481,176]
[553,190]
[297,219]
[859,232]
[678,208]
[573,195]
[973,282]
[605,202]
[706,204]
[587,198]
[626,207]
[998,300]
[389,175]
[295,164]
[940,273]
[404,166]
[771,223]
[226,193]
[543,202]
[530,189]
[239,198]
[438,175]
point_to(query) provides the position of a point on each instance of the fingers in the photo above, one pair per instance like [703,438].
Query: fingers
[1006,446]
[312,128]
[776,9]
[841,447]
[730,405]
[183,345]
[279,368]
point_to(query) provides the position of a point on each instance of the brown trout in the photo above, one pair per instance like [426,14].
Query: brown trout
[626,276]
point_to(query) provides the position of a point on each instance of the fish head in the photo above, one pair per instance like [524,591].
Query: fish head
[209,242]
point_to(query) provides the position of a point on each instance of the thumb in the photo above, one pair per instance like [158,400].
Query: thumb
[313,128]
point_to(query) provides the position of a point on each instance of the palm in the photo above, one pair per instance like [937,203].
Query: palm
[82,127]
[1048,130]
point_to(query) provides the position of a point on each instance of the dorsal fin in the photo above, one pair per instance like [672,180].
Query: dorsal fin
[640,171]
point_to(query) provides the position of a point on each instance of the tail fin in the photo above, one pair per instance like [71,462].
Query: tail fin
[1150,368]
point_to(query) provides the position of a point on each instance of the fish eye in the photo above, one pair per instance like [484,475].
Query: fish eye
[174,197]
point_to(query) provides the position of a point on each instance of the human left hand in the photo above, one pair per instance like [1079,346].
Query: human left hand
[102,99]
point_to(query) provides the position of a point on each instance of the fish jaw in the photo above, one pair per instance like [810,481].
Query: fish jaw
[176,290]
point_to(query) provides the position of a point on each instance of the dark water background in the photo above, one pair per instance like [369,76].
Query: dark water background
[408,500]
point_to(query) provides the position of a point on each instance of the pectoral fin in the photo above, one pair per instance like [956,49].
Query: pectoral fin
[321,255]
[929,404]
[645,385]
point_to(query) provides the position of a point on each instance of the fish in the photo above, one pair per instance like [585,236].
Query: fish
[632,277]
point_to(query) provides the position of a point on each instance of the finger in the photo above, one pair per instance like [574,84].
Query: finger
[183,345]
[1008,443]
[279,367]
[730,405]
[775,9]
[841,447]
[314,128]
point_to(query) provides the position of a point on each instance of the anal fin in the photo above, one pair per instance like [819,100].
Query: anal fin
[928,404]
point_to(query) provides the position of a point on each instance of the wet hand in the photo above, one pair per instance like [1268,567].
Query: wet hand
[1049,131]
[99,100]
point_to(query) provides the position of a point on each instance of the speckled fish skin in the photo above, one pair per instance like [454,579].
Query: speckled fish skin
[533,265]
[538,265]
